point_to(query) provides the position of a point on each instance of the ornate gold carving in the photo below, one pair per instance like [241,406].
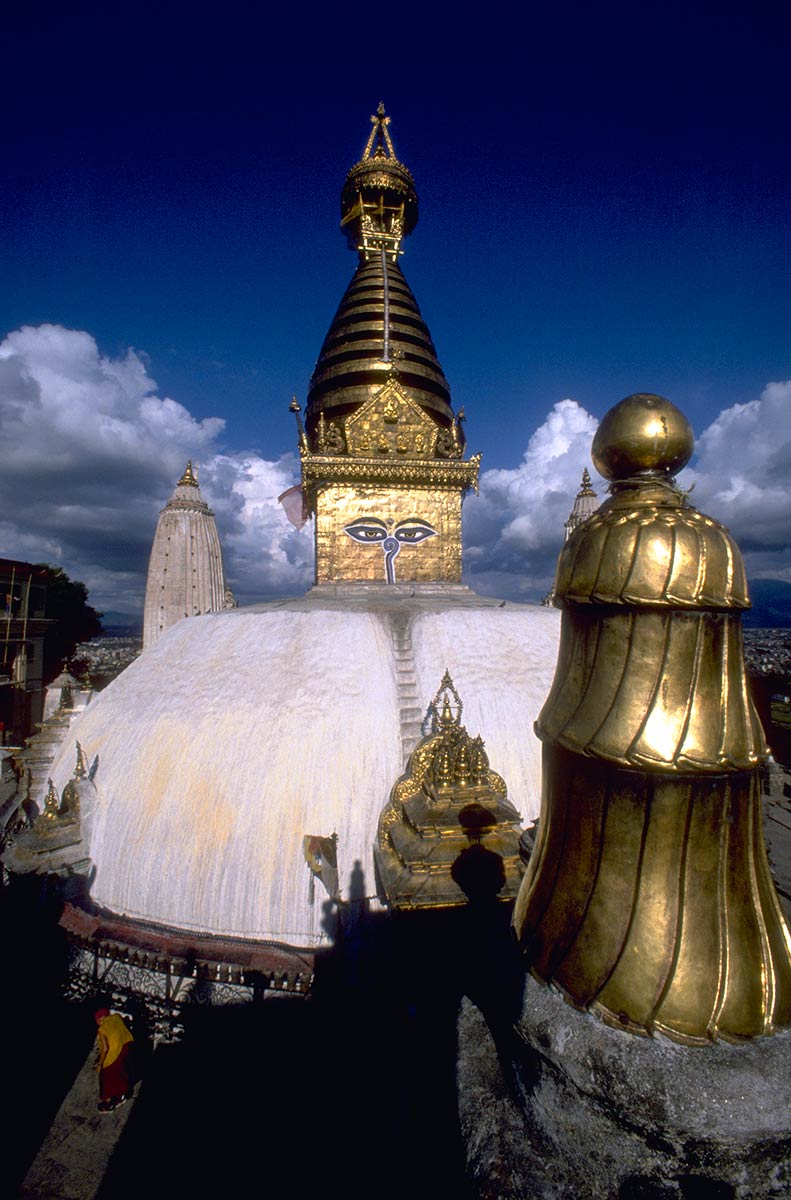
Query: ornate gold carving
[448,832]
[334,439]
[379,202]
[392,421]
[648,898]
[318,470]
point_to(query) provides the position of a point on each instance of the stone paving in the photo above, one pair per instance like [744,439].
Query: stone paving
[74,1156]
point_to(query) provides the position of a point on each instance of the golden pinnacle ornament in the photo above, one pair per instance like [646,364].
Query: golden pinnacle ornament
[648,898]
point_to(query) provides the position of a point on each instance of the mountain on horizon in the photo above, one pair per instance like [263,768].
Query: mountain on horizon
[771,605]
[118,624]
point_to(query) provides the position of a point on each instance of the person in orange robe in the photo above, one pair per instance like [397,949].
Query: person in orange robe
[113,1064]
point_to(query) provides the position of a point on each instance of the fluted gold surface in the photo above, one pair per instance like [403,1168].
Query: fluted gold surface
[648,898]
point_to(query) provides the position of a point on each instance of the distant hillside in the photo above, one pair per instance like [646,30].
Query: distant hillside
[118,624]
[771,605]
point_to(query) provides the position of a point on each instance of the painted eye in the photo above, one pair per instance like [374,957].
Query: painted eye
[414,531]
[366,531]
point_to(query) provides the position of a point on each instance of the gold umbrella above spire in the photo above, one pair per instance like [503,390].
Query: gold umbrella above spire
[379,200]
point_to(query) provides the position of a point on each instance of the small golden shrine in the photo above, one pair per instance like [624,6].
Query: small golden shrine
[448,834]
[381,449]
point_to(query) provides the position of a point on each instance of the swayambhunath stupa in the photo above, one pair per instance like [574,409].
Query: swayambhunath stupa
[392,742]
[241,738]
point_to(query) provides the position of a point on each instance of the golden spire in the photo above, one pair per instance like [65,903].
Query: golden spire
[189,478]
[51,803]
[648,898]
[381,450]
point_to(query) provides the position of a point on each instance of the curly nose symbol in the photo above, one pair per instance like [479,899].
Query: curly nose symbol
[391,546]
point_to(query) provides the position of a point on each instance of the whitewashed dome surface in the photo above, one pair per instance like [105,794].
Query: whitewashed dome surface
[240,732]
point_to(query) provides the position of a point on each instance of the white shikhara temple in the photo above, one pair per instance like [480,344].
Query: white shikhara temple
[185,575]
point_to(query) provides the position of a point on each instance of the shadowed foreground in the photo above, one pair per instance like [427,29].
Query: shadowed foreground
[353,1090]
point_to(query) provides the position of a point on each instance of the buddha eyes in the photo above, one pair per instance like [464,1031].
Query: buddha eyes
[372,530]
[414,531]
[367,531]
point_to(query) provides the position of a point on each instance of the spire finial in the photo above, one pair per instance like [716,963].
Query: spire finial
[644,433]
[378,202]
[189,478]
[294,407]
[379,144]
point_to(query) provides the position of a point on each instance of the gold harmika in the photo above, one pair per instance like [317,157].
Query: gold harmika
[448,834]
[648,898]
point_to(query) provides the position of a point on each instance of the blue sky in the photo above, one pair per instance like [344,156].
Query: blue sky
[604,198]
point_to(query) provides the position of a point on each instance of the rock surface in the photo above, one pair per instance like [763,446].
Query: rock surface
[585,1110]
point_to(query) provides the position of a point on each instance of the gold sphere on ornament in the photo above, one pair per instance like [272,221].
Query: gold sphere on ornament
[643,433]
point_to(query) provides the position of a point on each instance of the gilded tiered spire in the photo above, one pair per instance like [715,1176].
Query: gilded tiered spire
[382,450]
[378,332]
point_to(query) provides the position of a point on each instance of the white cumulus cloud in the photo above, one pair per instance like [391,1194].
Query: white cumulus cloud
[742,476]
[514,528]
[91,453]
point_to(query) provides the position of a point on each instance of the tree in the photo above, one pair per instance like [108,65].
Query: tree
[75,620]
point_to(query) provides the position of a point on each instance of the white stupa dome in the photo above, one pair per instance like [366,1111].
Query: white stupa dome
[241,732]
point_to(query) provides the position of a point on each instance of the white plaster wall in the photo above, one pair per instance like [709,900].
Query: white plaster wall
[238,733]
[502,661]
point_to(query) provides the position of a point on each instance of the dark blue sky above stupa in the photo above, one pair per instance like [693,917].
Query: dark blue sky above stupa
[604,208]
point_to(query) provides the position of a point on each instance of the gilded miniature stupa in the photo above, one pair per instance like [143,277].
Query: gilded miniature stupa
[185,575]
[649,898]
[448,833]
[382,450]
